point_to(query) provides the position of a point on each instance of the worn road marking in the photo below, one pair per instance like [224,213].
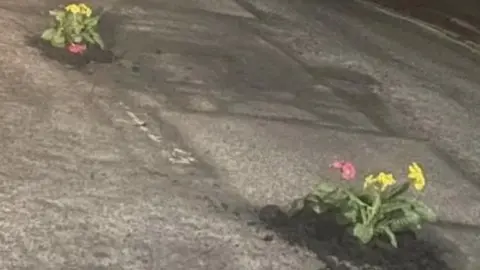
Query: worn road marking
[176,156]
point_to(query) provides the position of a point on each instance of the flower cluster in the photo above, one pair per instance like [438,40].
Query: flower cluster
[379,210]
[79,9]
[383,179]
[73,27]
[346,168]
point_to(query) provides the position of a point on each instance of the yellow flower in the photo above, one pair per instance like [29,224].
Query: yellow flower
[381,181]
[84,9]
[73,8]
[369,180]
[415,173]
[386,179]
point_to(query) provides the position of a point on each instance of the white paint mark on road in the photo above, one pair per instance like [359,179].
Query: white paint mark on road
[179,156]
[175,156]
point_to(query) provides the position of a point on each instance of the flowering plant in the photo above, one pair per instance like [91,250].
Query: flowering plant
[379,209]
[72,28]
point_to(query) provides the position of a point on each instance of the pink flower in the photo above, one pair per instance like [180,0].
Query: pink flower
[346,168]
[77,48]
[337,164]
[348,171]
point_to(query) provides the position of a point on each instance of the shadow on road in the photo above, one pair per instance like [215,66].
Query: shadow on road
[335,246]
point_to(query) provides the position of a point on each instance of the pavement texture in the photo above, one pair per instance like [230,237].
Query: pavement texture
[166,158]
[458,20]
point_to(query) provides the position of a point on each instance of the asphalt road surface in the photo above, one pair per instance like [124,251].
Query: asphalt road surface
[216,109]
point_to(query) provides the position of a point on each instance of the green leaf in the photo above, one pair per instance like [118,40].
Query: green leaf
[368,197]
[410,220]
[69,21]
[296,207]
[49,34]
[354,198]
[423,210]
[391,236]
[92,21]
[59,16]
[70,16]
[377,203]
[98,39]
[75,24]
[349,216]
[334,199]
[325,188]
[329,194]
[390,217]
[58,40]
[363,214]
[313,198]
[418,207]
[319,207]
[363,233]
[77,38]
[393,205]
[396,191]
[77,28]
[349,206]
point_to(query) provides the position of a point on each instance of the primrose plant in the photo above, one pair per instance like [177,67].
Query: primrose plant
[73,27]
[381,208]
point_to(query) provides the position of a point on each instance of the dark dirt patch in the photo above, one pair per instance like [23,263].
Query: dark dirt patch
[93,54]
[335,246]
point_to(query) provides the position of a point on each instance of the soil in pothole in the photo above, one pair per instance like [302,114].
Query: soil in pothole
[339,250]
[93,54]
